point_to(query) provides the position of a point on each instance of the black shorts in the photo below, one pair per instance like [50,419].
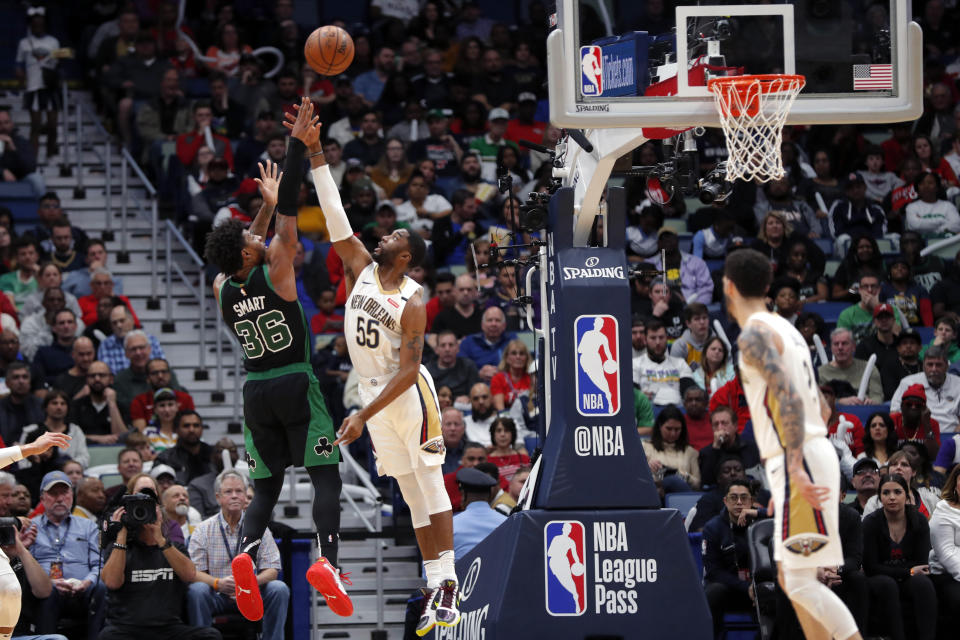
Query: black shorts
[286,422]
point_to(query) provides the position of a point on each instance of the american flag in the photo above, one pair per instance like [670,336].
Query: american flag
[872,77]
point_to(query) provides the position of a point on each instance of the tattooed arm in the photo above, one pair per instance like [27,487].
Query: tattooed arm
[762,349]
[413,322]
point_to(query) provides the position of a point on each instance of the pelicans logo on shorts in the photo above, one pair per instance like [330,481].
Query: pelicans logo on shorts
[565,580]
[597,347]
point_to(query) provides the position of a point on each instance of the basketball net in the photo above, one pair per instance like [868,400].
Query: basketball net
[753,110]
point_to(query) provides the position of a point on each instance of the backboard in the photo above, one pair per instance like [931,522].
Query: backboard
[614,63]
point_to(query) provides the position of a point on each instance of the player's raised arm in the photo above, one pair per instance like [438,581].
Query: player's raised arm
[761,348]
[354,255]
[413,325]
[269,181]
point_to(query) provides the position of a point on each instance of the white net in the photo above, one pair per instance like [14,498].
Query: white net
[753,110]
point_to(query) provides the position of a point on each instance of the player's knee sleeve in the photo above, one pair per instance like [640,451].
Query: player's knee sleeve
[803,588]
[9,600]
[434,492]
[414,499]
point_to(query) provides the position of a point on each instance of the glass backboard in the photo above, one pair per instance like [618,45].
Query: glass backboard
[615,63]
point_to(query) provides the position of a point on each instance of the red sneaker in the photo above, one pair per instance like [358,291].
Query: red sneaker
[326,579]
[248,591]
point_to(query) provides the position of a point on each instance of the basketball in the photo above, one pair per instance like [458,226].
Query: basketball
[609,366]
[329,50]
[577,569]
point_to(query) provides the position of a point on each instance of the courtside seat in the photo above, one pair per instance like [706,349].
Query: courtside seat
[925,333]
[829,311]
[864,411]
[714,265]
[826,245]
[682,501]
[677,224]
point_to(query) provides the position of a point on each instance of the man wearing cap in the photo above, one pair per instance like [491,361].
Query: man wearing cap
[369,146]
[849,369]
[854,215]
[67,548]
[882,342]
[910,298]
[683,270]
[159,376]
[913,421]
[942,390]
[858,318]
[866,477]
[490,143]
[524,127]
[477,519]
[441,147]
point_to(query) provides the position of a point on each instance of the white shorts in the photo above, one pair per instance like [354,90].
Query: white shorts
[804,537]
[405,433]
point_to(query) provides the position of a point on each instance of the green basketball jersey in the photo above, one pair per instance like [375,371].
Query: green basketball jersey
[272,331]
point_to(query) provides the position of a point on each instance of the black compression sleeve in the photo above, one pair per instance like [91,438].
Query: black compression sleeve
[289,191]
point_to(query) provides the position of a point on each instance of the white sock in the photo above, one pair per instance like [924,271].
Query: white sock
[447,569]
[433,571]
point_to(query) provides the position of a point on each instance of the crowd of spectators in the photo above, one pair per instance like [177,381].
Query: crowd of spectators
[436,100]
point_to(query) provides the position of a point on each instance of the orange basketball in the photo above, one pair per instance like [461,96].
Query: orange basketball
[329,50]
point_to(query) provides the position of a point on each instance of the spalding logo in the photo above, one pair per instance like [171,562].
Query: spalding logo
[591,270]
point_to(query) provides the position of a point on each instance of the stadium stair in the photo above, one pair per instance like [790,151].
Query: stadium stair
[216,404]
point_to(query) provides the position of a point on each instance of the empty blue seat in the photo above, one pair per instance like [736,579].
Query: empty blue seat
[925,333]
[826,245]
[864,411]
[829,311]
[682,501]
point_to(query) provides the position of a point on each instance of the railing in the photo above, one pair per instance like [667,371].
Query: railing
[147,207]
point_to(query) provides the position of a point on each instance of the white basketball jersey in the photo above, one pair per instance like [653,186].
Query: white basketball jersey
[763,405]
[372,323]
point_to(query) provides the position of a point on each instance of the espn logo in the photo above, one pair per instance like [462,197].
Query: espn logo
[151,575]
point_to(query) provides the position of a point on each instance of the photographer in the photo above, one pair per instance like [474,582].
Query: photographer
[147,576]
[10,590]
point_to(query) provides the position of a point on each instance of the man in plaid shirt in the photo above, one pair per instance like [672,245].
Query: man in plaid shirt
[213,546]
[113,351]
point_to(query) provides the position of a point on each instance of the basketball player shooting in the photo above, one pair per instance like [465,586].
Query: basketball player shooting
[385,325]
[790,429]
[285,419]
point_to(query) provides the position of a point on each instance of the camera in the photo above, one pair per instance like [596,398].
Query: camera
[714,185]
[139,509]
[533,214]
[8,531]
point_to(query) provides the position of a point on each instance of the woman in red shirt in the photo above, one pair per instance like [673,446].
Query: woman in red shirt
[513,378]
[505,453]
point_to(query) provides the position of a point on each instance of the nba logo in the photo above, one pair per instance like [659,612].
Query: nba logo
[591,71]
[598,365]
[565,568]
